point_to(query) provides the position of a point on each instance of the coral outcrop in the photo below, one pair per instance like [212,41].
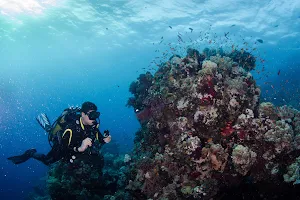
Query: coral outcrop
[205,129]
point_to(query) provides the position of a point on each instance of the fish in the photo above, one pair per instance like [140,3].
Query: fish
[170,27]
[276,25]
[260,40]
[225,34]
[278,73]
[179,38]
[191,29]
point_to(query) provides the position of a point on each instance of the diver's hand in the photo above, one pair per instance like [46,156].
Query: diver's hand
[107,139]
[87,142]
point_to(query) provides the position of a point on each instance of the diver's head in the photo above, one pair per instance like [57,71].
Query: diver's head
[89,113]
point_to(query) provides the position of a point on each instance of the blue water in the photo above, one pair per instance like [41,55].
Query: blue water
[57,53]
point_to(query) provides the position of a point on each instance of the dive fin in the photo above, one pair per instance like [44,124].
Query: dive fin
[44,121]
[22,158]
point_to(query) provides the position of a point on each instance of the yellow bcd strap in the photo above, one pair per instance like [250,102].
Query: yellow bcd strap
[81,124]
[71,132]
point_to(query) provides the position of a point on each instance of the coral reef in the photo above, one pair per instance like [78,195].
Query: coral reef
[204,129]
[243,159]
[140,90]
[78,179]
[293,173]
[88,177]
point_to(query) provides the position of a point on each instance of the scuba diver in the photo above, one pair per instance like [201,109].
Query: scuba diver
[73,134]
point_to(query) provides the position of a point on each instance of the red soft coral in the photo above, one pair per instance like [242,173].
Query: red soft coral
[228,130]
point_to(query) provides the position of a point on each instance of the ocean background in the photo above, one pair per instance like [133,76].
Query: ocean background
[60,53]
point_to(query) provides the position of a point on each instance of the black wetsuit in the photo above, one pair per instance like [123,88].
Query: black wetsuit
[65,148]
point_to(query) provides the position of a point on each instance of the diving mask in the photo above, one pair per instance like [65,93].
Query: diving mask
[93,115]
